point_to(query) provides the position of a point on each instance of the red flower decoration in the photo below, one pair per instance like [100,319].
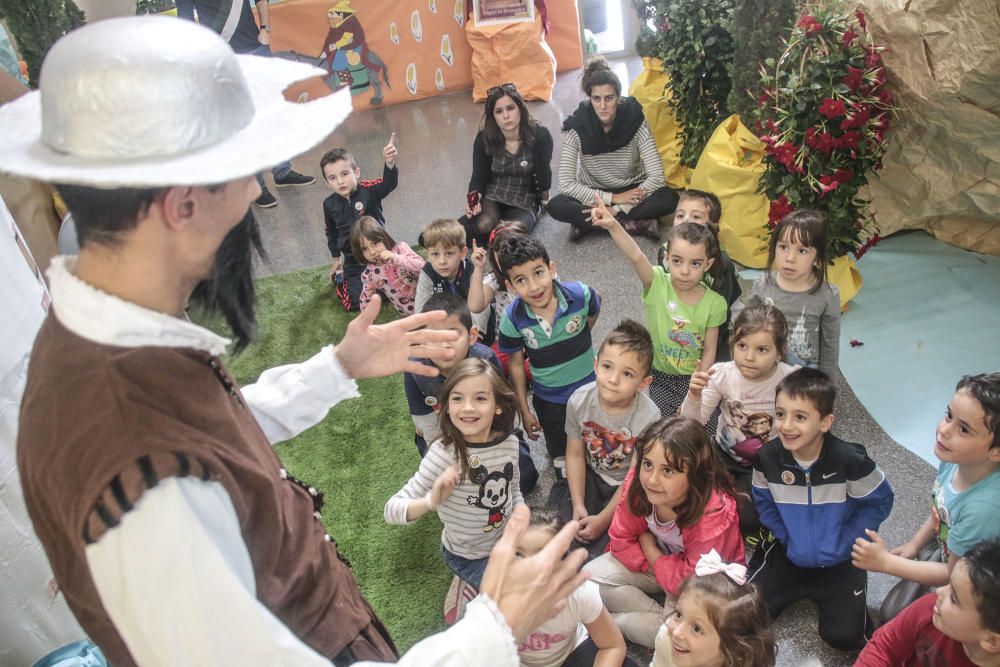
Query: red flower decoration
[827,184]
[860,16]
[784,153]
[848,37]
[849,139]
[820,141]
[843,175]
[832,108]
[865,247]
[861,115]
[779,209]
[810,24]
[855,78]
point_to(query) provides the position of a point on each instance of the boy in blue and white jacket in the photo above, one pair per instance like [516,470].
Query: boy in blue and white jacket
[816,494]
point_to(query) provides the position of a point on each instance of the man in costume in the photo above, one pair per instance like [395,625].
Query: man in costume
[172,528]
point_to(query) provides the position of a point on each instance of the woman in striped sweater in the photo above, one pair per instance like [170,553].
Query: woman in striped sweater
[609,152]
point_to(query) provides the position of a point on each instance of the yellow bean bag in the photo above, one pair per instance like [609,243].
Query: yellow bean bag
[650,88]
[730,167]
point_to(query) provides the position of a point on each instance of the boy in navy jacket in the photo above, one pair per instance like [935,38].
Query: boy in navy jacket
[816,494]
[352,198]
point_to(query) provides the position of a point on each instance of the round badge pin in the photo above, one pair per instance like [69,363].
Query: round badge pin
[572,326]
[788,477]
[524,163]
[671,305]
[474,461]
[430,401]
[627,434]
[358,206]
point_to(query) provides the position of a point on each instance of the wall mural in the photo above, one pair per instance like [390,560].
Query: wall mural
[392,52]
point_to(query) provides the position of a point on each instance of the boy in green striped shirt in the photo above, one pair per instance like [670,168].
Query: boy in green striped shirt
[550,323]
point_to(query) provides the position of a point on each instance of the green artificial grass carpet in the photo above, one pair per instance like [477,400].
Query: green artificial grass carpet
[358,456]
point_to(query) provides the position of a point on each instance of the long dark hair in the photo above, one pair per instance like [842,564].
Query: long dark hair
[687,449]
[229,288]
[503,423]
[492,134]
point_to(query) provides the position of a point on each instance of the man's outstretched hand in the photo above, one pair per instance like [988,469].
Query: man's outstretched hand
[373,350]
[530,591]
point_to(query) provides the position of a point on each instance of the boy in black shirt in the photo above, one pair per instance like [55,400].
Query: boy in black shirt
[351,199]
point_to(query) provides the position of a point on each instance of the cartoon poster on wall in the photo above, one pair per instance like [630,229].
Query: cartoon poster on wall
[379,50]
[392,52]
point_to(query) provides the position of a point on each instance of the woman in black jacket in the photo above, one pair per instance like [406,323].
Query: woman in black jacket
[511,171]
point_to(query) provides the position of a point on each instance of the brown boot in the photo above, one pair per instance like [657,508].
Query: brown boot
[577,232]
[648,227]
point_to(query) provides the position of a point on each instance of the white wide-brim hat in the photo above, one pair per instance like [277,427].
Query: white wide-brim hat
[150,101]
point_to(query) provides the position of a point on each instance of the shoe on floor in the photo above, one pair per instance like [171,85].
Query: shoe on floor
[648,227]
[577,232]
[294,179]
[266,199]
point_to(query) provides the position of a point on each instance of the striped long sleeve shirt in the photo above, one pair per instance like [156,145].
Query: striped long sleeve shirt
[583,177]
[477,510]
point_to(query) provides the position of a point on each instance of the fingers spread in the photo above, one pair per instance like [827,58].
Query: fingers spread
[368,315]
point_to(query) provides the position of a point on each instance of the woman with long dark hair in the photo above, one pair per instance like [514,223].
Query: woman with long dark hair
[511,171]
[609,152]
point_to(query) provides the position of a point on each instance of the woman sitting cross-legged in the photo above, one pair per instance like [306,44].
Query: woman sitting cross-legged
[608,151]
[511,167]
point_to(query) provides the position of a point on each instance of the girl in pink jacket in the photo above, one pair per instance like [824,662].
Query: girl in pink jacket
[390,268]
[683,506]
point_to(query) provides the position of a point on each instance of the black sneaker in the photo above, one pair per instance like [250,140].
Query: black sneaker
[266,199]
[294,179]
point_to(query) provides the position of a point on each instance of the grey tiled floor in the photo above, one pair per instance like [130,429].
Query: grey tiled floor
[435,142]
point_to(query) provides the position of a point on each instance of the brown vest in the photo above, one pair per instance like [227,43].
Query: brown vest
[101,424]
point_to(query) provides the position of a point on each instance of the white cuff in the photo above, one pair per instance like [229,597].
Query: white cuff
[329,378]
[484,610]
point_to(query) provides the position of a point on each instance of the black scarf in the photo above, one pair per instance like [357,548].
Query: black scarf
[593,139]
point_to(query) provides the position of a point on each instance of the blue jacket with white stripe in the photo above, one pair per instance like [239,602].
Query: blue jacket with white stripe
[818,513]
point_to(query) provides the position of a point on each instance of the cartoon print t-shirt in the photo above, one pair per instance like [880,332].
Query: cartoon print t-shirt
[476,511]
[608,440]
[962,519]
[553,641]
[747,409]
[678,330]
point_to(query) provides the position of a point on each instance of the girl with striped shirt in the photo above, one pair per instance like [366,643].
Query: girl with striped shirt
[470,475]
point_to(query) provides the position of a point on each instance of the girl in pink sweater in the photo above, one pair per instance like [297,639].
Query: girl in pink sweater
[677,503]
[390,268]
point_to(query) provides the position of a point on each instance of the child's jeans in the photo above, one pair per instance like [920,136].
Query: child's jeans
[626,594]
[468,570]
